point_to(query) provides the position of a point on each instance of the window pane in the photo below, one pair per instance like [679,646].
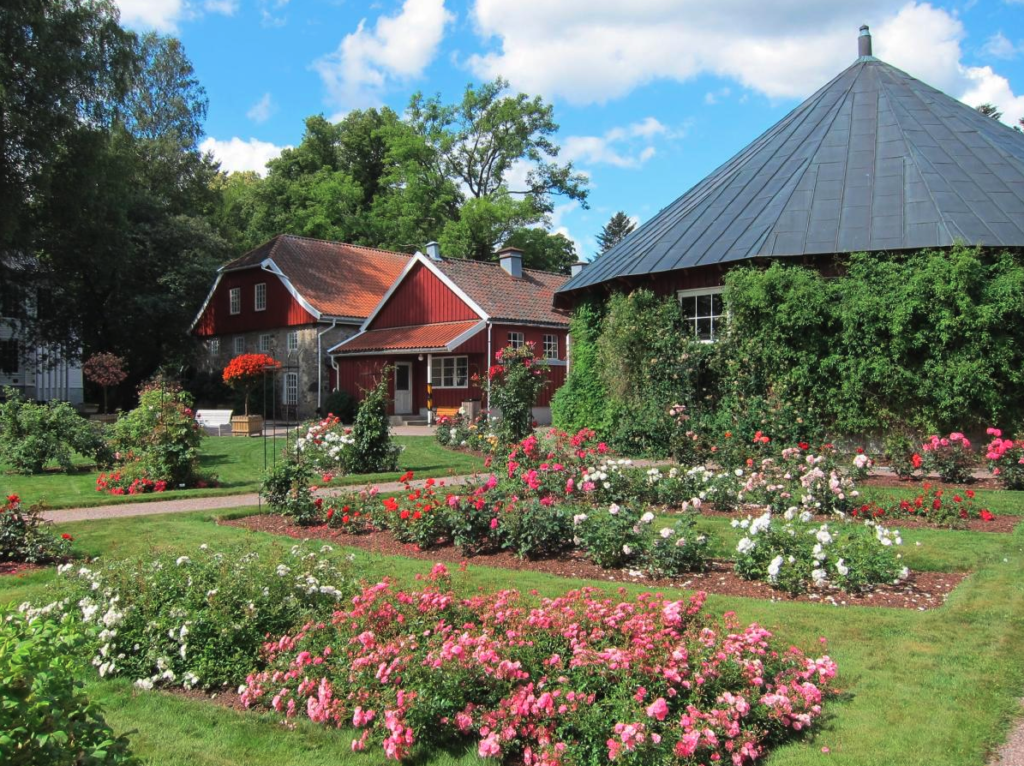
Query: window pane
[704,329]
[716,304]
[703,305]
[402,377]
[461,371]
[689,306]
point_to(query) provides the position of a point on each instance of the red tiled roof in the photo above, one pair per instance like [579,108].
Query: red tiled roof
[425,337]
[504,297]
[337,279]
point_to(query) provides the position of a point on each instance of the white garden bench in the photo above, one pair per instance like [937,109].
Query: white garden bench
[214,420]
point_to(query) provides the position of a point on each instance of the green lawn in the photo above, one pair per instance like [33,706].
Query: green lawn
[239,465]
[929,688]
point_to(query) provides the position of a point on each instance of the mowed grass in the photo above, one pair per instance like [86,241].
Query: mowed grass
[916,688]
[239,465]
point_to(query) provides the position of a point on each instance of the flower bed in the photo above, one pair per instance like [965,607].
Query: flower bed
[532,683]
[934,505]
[1006,459]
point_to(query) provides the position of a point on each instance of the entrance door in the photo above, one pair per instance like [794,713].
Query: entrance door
[403,388]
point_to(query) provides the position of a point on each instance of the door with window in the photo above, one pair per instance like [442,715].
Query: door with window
[403,388]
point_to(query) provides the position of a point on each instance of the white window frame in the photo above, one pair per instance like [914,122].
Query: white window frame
[259,299]
[291,388]
[456,362]
[516,339]
[239,345]
[715,318]
[292,340]
[550,346]
[214,346]
[235,300]
[266,343]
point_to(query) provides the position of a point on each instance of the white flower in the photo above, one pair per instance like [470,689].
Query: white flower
[817,552]
[823,536]
[761,523]
[578,519]
[666,533]
[774,567]
[628,550]
[745,545]
[738,471]
[144,683]
[904,573]
[681,542]
[614,510]
[182,560]
[819,577]
[647,518]
[806,516]
[842,568]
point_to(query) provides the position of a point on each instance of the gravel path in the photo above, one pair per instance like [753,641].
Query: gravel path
[1012,753]
[189,504]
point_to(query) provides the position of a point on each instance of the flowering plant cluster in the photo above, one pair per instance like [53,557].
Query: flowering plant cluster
[569,680]
[515,383]
[105,370]
[1006,459]
[26,538]
[325,445]
[129,480]
[796,554]
[902,455]
[934,505]
[950,457]
[198,620]
[461,432]
[244,372]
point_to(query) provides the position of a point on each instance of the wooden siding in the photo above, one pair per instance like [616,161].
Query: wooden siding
[422,298]
[282,309]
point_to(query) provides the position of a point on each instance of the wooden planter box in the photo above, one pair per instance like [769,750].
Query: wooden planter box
[247,425]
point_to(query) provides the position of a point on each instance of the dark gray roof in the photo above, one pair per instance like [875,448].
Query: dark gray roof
[875,160]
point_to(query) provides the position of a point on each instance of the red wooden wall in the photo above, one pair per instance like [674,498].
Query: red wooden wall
[422,298]
[282,309]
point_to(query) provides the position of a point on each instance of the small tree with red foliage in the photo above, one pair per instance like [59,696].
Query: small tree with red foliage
[244,372]
[105,370]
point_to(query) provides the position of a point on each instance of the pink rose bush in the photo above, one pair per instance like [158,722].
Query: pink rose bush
[1006,459]
[950,457]
[573,679]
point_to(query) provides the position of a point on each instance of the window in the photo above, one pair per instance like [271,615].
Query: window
[516,340]
[235,296]
[291,388]
[704,310]
[214,346]
[266,340]
[239,344]
[9,357]
[261,297]
[449,371]
[551,347]
[293,340]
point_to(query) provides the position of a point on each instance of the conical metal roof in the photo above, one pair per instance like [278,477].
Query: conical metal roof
[875,160]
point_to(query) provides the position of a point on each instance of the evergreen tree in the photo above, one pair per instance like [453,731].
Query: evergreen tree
[990,110]
[615,231]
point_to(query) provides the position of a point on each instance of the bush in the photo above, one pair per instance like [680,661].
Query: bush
[373,450]
[532,529]
[612,537]
[515,384]
[35,435]
[950,457]
[196,621]
[160,438]
[932,505]
[45,717]
[287,490]
[1006,459]
[582,401]
[529,682]
[901,452]
[795,554]
[342,405]
[26,538]
[678,549]
[460,432]
[325,445]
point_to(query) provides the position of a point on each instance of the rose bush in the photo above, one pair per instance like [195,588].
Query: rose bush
[933,505]
[1006,459]
[26,538]
[950,457]
[33,436]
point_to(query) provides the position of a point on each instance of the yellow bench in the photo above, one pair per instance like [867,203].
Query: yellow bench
[450,412]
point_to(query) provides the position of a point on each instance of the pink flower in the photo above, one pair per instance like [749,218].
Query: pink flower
[489,747]
[658,709]
[494,523]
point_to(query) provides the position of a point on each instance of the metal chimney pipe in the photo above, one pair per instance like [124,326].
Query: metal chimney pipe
[864,42]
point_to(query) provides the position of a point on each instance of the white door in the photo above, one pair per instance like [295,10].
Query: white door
[403,388]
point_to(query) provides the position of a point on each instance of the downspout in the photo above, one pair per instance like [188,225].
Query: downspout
[320,366]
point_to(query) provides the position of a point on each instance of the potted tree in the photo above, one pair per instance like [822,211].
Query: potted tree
[105,370]
[243,374]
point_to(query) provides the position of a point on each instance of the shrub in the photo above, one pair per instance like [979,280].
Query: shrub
[45,716]
[34,435]
[582,401]
[105,370]
[342,405]
[900,451]
[196,620]
[678,549]
[936,506]
[415,516]
[460,432]
[246,371]
[160,438]
[613,537]
[1006,459]
[533,529]
[373,450]
[795,554]
[515,384]
[950,457]
[530,682]
[130,479]
[25,537]
[287,488]
[325,445]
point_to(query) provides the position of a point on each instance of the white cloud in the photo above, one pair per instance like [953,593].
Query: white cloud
[623,147]
[398,48]
[262,110]
[714,96]
[224,7]
[999,46]
[235,154]
[164,15]
[592,51]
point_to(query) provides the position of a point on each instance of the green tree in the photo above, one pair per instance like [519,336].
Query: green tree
[543,250]
[990,110]
[613,232]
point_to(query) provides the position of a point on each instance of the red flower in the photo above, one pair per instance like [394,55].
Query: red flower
[403,515]
[405,477]
[330,513]
[804,446]
[13,499]
[986,515]
[344,519]
[915,459]
[67,537]
[970,493]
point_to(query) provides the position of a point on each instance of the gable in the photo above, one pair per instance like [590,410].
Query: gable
[282,309]
[422,298]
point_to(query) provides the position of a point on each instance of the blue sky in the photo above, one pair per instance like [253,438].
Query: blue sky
[651,95]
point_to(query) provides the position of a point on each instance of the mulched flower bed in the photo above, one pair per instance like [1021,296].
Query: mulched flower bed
[891,480]
[1003,523]
[17,568]
[921,591]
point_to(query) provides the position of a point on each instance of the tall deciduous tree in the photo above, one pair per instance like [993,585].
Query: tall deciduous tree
[615,231]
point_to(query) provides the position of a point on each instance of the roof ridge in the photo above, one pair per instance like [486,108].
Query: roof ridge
[337,243]
[498,265]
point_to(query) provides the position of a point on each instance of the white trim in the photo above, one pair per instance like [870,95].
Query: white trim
[696,292]
[419,257]
[455,371]
[232,292]
[269,265]
[460,339]
[544,346]
[256,296]
[209,297]
[451,346]
[520,339]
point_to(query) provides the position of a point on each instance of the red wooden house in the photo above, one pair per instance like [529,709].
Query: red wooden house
[441,324]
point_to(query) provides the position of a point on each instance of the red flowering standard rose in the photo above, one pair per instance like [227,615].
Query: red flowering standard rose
[244,372]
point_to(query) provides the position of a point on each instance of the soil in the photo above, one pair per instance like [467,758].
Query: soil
[1003,524]
[891,480]
[17,568]
[228,698]
[920,591]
